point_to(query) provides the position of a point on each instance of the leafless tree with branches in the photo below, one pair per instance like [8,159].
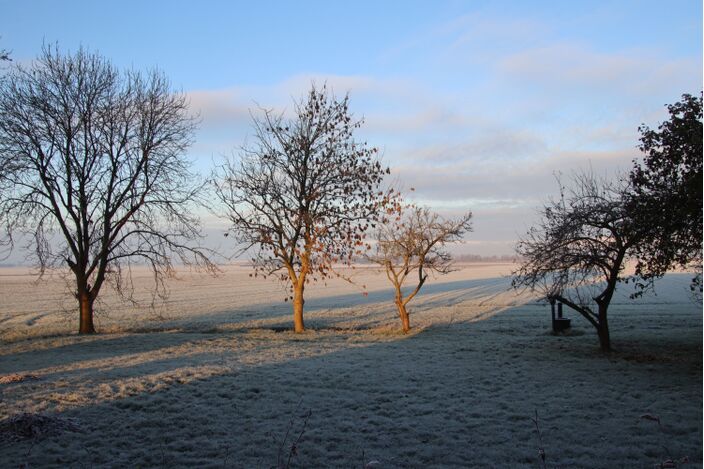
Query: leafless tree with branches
[6,241]
[303,196]
[93,172]
[577,252]
[412,242]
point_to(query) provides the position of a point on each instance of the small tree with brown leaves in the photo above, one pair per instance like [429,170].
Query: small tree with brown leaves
[410,245]
[303,196]
[93,174]
[577,253]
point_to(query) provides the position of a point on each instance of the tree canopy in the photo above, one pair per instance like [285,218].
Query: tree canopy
[667,191]
[577,252]
[411,245]
[93,175]
[302,197]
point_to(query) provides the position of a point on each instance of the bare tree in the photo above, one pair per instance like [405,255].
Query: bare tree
[93,171]
[6,240]
[577,253]
[412,242]
[303,196]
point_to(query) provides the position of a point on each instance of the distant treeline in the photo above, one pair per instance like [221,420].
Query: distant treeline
[478,258]
[456,258]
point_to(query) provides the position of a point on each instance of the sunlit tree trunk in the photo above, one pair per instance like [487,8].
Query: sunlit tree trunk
[405,319]
[298,302]
[85,305]
[402,311]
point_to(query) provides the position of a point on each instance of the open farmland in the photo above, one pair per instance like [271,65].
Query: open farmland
[212,377]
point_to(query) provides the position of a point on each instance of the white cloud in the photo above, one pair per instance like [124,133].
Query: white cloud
[494,148]
[466,38]
[220,107]
[579,69]
[503,182]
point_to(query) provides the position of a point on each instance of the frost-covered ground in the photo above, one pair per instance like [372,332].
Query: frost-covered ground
[213,378]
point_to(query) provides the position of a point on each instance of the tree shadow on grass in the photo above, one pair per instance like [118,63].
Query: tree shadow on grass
[281,312]
[371,311]
[446,396]
[356,313]
[87,348]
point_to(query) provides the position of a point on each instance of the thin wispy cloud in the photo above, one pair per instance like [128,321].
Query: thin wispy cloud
[579,68]
[220,107]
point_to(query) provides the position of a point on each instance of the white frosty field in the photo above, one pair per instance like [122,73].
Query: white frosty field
[213,378]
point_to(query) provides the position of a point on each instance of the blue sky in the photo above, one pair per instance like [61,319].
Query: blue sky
[475,104]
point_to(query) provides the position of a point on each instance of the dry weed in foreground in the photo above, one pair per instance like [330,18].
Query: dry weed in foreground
[541,448]
[670,462]
[293,448]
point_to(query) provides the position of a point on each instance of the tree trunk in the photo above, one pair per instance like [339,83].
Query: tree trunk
[603,329]
[298,302]
[403,314]
[85,305]
[600,323]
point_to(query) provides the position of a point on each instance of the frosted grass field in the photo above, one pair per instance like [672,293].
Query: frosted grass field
[214,378]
